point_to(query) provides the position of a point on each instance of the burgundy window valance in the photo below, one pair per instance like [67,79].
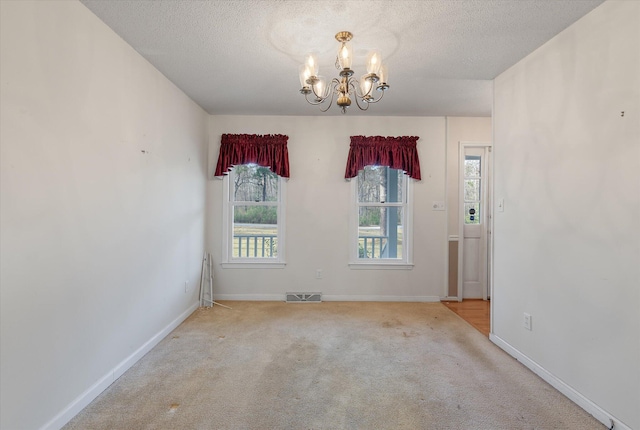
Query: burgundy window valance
[268,151]
[395,152]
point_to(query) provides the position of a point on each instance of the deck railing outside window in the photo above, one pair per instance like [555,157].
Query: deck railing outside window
[372,246]
[255,245]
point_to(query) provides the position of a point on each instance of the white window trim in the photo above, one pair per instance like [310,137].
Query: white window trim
[406,263]
[228,261]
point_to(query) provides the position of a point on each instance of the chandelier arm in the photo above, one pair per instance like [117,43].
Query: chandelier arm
[321,97]
[313,91]
[379,98]
[353,88]
[358,104]
[357,89]
[330,100]
[313,102]
[327,108]
[355,84]
[318,98]
[334,83]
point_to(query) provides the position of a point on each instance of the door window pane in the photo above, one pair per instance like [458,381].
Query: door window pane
[472,189]
[471,166]
[472,213]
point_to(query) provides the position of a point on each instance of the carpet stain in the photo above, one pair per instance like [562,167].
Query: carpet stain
[173,407]
[392,324]
[472,349]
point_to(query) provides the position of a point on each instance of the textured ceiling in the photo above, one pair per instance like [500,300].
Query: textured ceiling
[241,57]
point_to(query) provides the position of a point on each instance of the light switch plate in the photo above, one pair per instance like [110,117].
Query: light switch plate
[527,321]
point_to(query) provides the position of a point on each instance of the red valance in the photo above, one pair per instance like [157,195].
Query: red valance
[268,151]
[395,152]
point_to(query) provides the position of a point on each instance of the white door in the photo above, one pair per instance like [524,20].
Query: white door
[473,272]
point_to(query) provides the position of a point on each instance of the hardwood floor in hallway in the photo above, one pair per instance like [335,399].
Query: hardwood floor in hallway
[474,311]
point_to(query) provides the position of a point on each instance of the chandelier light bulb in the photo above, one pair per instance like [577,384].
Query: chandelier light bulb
[312,64]
[304,75]
[345,56]
[374,61]
[383,74]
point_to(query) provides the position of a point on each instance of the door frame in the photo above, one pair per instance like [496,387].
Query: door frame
[487,209]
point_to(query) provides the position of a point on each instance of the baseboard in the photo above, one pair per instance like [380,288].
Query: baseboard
[329,298]
[378,298]
[596,411]
[103,383]
[251,297]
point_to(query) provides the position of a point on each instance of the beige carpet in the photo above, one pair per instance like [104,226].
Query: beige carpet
[335,365]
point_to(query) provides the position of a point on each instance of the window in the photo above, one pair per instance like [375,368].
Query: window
[381,217]
[254,216]
[472,178]
[381,225]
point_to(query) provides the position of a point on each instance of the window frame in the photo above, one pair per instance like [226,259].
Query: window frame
[404,263]
[228,260]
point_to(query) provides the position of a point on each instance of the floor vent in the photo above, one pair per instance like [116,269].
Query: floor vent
[304,297]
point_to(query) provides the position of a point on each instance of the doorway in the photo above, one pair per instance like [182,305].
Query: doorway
[476,312]
[474,217]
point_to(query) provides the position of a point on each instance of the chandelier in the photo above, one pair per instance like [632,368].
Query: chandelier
[316,90]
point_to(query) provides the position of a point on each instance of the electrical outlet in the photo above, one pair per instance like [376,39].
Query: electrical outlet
[186,286]
[318,273]
[527,321]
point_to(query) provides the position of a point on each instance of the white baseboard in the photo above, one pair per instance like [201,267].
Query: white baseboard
[368,298]
[103,383]
[329,298]
[251,297]
[596,411]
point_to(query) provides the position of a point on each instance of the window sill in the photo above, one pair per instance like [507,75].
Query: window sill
[380,266]
[253,265]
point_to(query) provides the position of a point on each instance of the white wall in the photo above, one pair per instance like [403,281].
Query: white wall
[567,246]
[97,237]
[318,206]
